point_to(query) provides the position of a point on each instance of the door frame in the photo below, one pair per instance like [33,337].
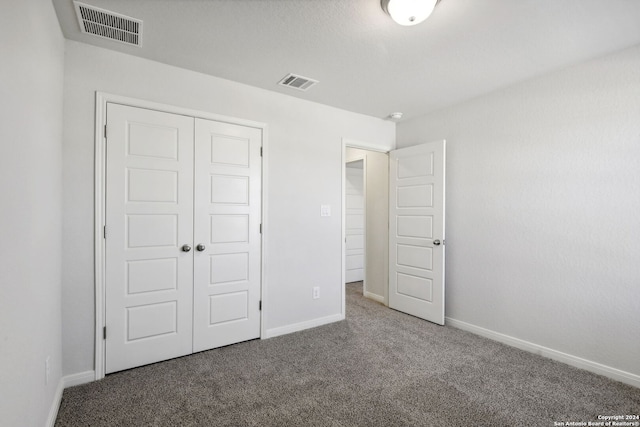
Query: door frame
[101,100]
[352,143]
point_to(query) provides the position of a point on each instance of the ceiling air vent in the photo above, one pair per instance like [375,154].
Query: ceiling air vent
[109,25]
[297,82]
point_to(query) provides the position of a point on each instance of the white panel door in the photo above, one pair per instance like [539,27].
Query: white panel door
[416,230]
[227,234]
[149,216]
[354,230]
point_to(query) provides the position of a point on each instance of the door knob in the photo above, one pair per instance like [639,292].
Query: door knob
[436,242]
[186,248]
[201,247]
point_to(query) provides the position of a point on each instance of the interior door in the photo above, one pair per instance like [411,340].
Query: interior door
[416,230]
[183,235]
[149,216]
[355,227]
[227,231]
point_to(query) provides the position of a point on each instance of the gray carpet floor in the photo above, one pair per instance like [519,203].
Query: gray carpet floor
[379,367]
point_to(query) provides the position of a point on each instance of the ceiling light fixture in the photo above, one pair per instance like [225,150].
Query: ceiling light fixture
[408,12]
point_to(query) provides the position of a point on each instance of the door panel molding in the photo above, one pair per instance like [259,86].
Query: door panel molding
[101,101]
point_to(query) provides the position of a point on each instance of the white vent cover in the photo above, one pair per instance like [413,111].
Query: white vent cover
[109,25]
[297,82]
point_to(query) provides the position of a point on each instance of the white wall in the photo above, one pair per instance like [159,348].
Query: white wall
[31,70]
[304,171]
[377,220]
[543,209]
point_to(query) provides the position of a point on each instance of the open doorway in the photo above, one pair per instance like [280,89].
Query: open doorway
[366,221]
[355,221]
[403,241]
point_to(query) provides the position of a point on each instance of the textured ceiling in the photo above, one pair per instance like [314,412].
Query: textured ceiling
[364,61]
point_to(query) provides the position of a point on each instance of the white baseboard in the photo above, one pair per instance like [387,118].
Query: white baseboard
[374,297]
[67,381]
[55,404]
[79,378]
[578,362]
[296,327]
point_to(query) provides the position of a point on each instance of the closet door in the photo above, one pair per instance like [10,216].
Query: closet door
[227,234]
[149,217]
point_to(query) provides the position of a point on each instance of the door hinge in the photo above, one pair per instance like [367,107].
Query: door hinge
[104,333]
[105,131]
[260,228]
[260,151]
[104,232]
[260,306]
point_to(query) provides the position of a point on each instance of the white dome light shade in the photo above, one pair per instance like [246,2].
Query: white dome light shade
[409,12]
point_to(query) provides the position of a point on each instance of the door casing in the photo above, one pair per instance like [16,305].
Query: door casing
[102,99]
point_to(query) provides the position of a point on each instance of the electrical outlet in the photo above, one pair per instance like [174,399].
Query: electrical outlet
[47,369]
[316,292]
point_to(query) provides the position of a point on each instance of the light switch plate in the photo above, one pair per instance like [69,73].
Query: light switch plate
[325,210]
